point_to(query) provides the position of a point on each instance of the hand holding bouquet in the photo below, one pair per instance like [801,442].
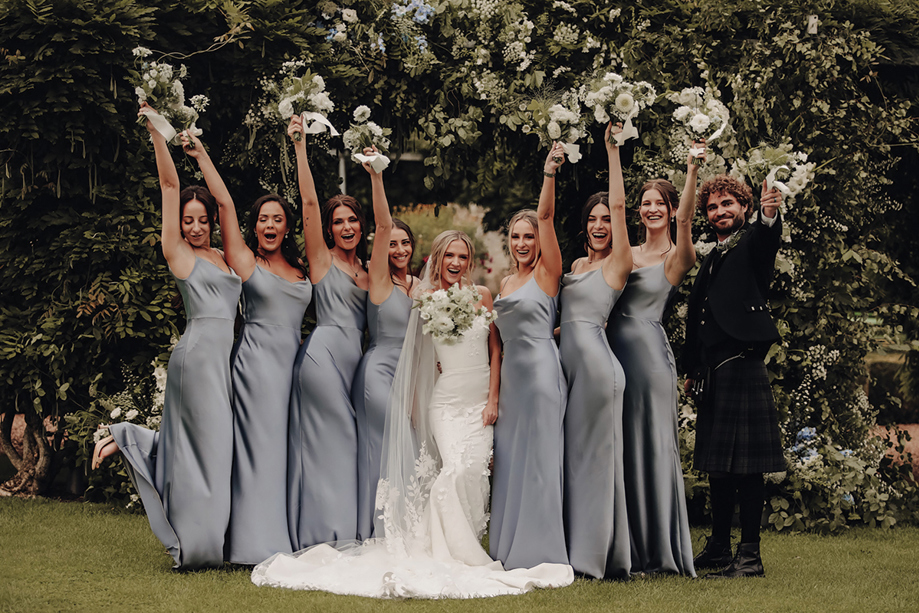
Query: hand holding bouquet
[160,85]
[614,99]
[448,313]
[559,122]
[700,116]
[303,95]
[365,134]
[780,167]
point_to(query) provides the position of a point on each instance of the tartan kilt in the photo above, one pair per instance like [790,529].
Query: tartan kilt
[737,428]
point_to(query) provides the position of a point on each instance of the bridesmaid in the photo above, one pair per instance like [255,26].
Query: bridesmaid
[658,522]
[596,520]
[182,472]
[275,294]
[388,308]
[322,455]
[526,501]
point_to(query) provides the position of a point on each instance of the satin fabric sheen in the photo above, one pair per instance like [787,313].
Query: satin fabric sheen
[596,519]
[182,472]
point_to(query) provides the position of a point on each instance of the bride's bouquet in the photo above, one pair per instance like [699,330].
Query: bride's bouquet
[613,97]
[700,115]
[303,95]
[780,167]
[161,87]
[449,313]
[364,133]
[559,121]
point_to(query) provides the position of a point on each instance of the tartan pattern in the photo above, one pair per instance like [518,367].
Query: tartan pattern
[737,428]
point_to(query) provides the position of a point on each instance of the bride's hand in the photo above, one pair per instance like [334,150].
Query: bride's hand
[490,413]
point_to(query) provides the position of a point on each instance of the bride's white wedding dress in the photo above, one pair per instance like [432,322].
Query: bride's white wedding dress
[434,514]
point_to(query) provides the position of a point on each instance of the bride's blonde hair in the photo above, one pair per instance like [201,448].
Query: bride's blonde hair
[439,248]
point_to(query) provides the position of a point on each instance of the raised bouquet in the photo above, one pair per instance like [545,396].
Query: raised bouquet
[448,313]
[303,95]
[779,167]
[161,87]
[700,116]
[364,133]
[559,121]
[612,97]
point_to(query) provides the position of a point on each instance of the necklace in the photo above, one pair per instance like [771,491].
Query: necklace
[351,266]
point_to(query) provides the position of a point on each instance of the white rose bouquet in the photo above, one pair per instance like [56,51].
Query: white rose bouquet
[448,313]
[364,133]
[300,95]
[700,115]
[160,86]
[780,167]
[612,97]
[559,121]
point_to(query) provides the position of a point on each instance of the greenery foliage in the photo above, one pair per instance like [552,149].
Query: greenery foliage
[85,288]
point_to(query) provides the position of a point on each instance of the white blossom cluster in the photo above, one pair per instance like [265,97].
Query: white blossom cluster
[161,87]
[566,34]
[365,133]
[613,96]
[448,313]
[787,170]
[700,114]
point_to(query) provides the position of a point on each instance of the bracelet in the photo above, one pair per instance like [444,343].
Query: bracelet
[549,174]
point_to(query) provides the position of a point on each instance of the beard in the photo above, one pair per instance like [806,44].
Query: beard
[737,224]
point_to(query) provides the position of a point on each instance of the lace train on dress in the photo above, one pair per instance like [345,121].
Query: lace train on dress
[434,517]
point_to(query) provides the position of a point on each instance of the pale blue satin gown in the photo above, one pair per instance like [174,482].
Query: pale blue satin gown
[658,522]
[182,472]
[386,324]
[596,519]
[322,454]
[262,370]
[526,498]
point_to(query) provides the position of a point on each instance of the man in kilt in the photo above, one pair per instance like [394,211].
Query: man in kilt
[728,334]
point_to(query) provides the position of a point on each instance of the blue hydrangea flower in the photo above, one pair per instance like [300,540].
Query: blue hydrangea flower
[807,434]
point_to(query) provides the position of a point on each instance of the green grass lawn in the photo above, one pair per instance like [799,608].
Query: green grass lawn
[65,556]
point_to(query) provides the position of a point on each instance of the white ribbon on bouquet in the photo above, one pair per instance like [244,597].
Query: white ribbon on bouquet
[377,161]
[319,123]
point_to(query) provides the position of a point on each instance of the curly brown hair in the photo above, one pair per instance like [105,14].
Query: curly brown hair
[728,185]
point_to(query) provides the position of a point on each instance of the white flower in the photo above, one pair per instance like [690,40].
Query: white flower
[362,113]
[130,415]
[349,15]
[374,129]
[340,37]
[317,80]
[141,51]
[625,102]
[554,130]
[141,94]
[601,115]
[525,129]
[682,113]
[321,102]
[116,413]
[699,122]
[286,108]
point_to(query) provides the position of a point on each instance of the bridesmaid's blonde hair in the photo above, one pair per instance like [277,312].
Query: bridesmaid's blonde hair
[439,248]
[529,216]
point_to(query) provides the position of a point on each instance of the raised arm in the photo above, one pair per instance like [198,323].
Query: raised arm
[683,257]
[618,264]
[381,284]
[179,254]
[317,253]
[237,253]
[549,266]
[490,412]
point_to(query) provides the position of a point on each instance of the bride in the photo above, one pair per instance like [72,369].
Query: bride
[433,493]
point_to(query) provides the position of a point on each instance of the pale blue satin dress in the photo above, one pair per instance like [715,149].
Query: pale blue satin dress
[658,522]
[386,324]
[182,472]
[322,454]
[596,519]
[262,370]
[526,498]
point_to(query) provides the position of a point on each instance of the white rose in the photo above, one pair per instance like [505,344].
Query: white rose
[116,413]
[625,102]
[340,37]
[349,15]
[442,324]
[375,129]
[573,134]
[362,113]
[699,122]
[317,80]
[682,113]
[601,115]
[285,108]
[555,132]
[321,102]
[131,414]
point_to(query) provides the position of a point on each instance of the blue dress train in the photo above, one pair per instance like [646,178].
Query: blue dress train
[182,472]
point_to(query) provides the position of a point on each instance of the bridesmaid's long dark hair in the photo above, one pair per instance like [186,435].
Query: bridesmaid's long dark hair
[594,200]
[349,201]
[202,195]
[398,223]
[289,248]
